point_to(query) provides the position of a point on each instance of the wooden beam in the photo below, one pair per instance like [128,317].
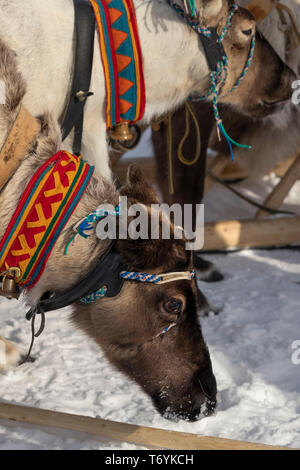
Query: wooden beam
[139,435]
[233,171]
[281,168]
[280,192]
[251,233]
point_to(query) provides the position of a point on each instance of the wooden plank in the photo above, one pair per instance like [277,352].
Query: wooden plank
[280,192]
[281,168]
[139,435]
[251,233]
[233,171]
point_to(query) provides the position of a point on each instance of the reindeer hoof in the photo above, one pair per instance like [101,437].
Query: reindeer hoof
[205,307]
[207,271]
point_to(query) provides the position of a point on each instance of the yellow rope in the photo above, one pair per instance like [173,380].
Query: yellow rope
[170,154]
[189,112]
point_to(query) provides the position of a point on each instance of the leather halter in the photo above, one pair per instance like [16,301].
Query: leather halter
[106,272]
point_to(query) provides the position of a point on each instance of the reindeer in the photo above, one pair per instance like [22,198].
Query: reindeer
[150,332]
[271,128]
[175,64]
[275,138]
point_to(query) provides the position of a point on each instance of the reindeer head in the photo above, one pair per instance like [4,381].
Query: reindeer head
[267,85]
[174,369]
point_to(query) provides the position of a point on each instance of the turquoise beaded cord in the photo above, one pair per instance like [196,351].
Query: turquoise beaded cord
[219,76]
[87,224]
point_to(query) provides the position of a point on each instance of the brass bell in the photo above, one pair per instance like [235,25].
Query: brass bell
[122,132]
[9,288]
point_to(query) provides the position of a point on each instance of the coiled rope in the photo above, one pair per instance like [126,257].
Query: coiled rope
[189,114]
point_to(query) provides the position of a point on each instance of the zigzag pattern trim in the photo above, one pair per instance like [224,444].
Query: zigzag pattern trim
[43,210]
[122,60]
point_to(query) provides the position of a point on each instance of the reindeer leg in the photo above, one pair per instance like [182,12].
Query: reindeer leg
[188,180]
[9,354]
[206,307]
[207,271]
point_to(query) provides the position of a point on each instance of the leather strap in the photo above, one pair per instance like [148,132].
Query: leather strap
[84,52]
[106,273]
[214,50]
[15,148]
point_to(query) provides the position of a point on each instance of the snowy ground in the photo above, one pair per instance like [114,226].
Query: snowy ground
[250,343]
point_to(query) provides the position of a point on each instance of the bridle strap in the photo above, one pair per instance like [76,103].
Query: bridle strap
[213,48]
[84,52]
[15,148]
[158,279]
[105,273]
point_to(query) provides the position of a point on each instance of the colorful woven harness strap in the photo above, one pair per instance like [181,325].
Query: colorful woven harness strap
[158,278]
[122,60]
[45,207]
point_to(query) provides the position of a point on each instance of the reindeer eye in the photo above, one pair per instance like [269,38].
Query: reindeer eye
[173,306]
[247,32]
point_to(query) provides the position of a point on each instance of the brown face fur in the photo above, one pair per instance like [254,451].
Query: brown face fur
[175,369]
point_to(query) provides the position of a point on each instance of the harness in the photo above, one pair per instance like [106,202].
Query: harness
[120,136]
[123,75]
[110,272]
[217,61]
[105,280]
[46,205]
[83,63]
[85,28]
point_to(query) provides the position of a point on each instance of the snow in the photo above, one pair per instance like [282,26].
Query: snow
[250,343]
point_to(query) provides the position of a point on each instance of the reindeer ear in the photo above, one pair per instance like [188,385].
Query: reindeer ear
[138,188]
